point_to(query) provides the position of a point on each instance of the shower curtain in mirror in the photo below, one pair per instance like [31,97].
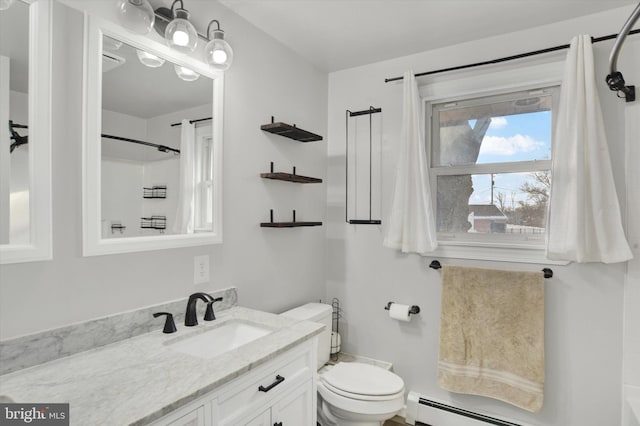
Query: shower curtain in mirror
[184,212]
[584,215]
[411,226]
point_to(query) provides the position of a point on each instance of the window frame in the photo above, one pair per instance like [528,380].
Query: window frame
[483,83]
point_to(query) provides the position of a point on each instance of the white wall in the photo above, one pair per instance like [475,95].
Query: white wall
[121,197]
[273,269]
[629,65]
[583,302]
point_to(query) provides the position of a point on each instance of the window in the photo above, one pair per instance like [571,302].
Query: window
[203,188]
[490,161]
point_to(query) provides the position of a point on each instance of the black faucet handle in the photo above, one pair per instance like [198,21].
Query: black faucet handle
[169,324]
[209,315]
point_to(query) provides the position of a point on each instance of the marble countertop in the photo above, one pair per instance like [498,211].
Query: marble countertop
[138,380]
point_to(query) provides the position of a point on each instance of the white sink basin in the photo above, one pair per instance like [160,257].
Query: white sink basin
[218,340]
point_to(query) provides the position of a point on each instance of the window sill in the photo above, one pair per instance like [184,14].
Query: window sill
[493,252]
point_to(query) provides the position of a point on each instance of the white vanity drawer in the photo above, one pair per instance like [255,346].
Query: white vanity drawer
[266,383]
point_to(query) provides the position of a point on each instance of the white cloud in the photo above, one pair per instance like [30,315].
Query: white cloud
[498,123]
[498,145]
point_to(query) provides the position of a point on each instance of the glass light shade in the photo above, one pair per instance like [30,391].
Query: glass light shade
[218,53]
[5,4]
[180,33]
[149,59]
[109,43]
[185,73]
[136,15]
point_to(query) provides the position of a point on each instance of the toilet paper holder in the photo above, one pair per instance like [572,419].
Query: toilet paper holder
[415,309]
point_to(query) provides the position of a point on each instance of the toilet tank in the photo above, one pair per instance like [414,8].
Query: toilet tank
[316,312]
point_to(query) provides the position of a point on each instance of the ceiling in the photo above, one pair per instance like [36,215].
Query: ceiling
[340,34]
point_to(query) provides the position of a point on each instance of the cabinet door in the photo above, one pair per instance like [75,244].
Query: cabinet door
[262,419]
[296,407]
[193,418]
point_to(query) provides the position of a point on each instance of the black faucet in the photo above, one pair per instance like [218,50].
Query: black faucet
[190,318]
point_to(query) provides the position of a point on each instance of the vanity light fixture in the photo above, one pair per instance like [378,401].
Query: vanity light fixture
[149,59]
[180,33]
[218,53]
[185,73]
[136,15]
[110,44]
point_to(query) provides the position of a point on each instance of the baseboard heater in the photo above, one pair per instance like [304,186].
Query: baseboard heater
[423,411]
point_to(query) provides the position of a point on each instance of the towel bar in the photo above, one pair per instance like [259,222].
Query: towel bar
[415,309]
[435,264]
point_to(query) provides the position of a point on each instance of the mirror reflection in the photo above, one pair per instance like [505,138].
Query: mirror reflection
[157,145]
[14,110]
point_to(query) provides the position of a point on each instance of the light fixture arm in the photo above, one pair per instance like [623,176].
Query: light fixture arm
[164,16]
[174,3]
[218,33]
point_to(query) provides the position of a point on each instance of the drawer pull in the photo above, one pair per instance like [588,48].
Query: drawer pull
[279,379]
[277,424]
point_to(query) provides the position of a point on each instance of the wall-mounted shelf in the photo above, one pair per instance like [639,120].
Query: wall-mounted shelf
[289,177]
[156,191]
[292,224]
[289,131]
[154,222]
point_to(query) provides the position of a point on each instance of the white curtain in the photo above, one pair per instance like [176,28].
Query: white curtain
[184,213]
[584,216]
[411,227]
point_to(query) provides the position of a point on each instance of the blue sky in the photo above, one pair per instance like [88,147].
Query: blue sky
[521,137]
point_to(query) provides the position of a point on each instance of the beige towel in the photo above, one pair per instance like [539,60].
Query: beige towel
[492,335]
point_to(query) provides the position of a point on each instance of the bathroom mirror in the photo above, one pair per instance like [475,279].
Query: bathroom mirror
[25,128]
[152,145]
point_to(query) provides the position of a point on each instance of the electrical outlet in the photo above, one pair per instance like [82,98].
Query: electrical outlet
[201,269]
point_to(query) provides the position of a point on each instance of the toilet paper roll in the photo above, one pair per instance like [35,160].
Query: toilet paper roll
[335,342]
[400,312]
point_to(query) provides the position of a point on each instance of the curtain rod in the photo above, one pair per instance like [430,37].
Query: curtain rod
[509,58]
[162,148]
[193,121]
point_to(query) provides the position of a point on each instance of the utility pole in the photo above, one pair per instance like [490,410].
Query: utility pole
[493,183]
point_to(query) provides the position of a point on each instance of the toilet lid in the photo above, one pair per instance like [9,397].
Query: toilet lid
[363,379]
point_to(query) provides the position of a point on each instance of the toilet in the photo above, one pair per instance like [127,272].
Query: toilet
[350,393]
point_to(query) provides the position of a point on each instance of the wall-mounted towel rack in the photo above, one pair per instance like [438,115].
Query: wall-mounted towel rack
[117,226]
[348,114]
[414,310]
[435,264]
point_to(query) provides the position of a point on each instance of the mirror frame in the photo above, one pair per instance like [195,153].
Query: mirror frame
[39,122]
[93,243]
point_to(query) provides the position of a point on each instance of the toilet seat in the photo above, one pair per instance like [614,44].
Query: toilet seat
[363,382]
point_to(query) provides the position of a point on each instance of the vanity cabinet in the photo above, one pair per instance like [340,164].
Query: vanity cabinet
[192,418]
[294,409]
[281,391]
